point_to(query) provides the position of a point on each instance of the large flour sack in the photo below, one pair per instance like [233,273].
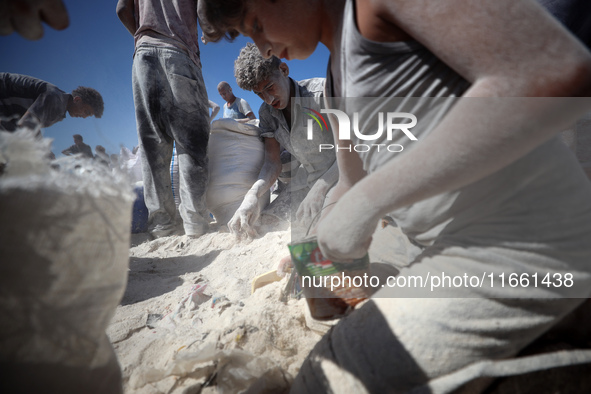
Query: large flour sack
[236,155]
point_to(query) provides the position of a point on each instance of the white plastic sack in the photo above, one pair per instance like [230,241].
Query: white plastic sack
[248,128]
[131,164]
[235,160]
[63,270]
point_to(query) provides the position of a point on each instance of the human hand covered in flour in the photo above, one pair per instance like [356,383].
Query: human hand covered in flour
[245,217]
[25,17]
[344,233]
[284,267]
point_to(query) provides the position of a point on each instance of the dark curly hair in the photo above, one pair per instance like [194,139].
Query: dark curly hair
[250,68]
[91,97]
[218,18]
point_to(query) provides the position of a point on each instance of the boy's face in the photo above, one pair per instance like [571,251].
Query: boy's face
[226,93]
[275,90]
[286,29]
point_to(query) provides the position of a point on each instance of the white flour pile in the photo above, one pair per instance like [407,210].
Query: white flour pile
[188,317]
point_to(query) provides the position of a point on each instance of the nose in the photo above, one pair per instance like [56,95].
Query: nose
[265,48]
[268,98]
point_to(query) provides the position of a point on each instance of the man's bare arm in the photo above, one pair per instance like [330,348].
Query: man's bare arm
[521,53]
[126,14]
[214,110]
[271,167]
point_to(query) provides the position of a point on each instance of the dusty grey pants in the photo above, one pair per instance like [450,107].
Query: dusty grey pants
[171,105]
[396,344]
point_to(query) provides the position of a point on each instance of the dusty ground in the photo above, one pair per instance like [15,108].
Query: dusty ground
[188,315]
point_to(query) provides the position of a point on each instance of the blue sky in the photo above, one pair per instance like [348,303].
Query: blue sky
[96,51]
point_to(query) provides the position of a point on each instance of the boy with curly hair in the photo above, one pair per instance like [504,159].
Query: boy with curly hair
[269,79]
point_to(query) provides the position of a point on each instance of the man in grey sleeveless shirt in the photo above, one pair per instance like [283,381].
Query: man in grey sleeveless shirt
[171,106]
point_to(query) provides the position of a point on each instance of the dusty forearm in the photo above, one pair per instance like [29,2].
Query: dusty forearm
[477,138]
[126,13]
[490,128]
[334,196]
[267,177]
[349,171]
[329,178]
[340,188]
[214,111]
[270,170]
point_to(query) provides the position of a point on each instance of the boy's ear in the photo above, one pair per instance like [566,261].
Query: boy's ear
[77,99]
[284,69]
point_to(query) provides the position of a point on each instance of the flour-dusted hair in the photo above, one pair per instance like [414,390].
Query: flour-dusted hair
[250,68]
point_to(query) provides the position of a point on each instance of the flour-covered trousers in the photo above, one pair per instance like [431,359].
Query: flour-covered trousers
[394,344]
[171,105]
[412,338]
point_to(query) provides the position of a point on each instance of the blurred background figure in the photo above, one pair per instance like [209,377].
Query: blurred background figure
[33,103]
[79,147]
[114,161]
[100,154]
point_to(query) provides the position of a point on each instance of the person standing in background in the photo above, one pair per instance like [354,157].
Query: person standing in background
[235,107]
[171,107]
